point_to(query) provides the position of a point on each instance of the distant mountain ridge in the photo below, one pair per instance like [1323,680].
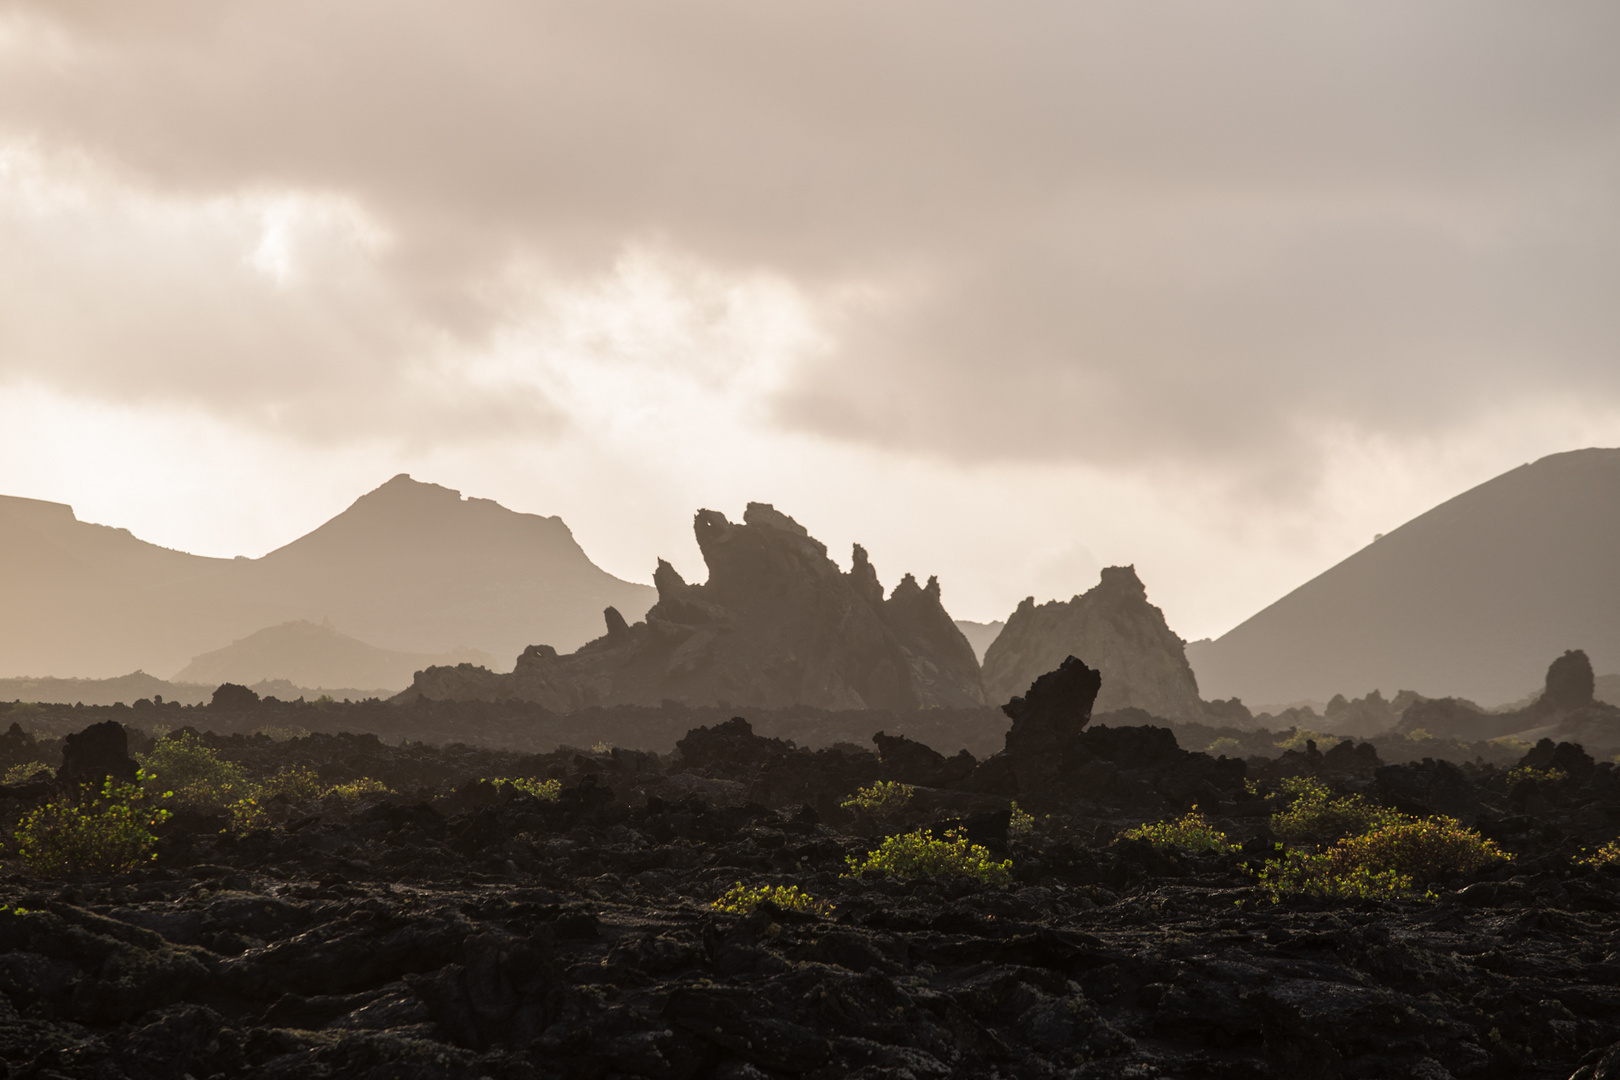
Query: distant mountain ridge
[315,654]
[1465,600]
[409,567]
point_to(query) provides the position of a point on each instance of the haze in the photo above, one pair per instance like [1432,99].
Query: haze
[1005,293]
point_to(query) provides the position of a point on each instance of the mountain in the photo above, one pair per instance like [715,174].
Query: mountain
[410,567]
[1468,599]
[314,654]
[776,624]
[980,635]
[1111,627]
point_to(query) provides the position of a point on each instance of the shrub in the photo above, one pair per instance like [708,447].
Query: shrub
[881,799]
[1518,746]
[280,733]
[1607,855]
[107,834]
[1390,861]
[1315,815]
[1224,745]
[1190,831]
[1019,823]
[1297,739]
[359,789]
[922,855]
[194,772]
[27,773]
[1418,734]
[293,782]
[741,899]
[549,790]
[1531,774]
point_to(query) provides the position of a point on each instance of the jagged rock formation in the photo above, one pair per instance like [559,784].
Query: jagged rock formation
[776,624]
[1112,626]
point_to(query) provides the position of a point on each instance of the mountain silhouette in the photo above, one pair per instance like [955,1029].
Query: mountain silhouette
[410,567]
[315,654]
[1469,599]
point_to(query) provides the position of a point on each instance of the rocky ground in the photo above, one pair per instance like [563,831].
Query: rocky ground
[457,928]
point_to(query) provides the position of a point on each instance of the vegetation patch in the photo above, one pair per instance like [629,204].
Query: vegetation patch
[882,799]
[1315,816]
[359,789]
[741,899]
[1529,774]
[1391,860]
[549,790]
[197,776]
[1020,823]
[1192,831]
[1607,855]
[920,854]
[28,772]
[109,833]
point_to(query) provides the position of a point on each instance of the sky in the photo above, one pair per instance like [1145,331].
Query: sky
[1006,293]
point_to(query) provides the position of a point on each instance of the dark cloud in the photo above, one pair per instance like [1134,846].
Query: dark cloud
[1106,232]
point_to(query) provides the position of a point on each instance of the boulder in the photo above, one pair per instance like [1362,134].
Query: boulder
[99,751]
[1143,663]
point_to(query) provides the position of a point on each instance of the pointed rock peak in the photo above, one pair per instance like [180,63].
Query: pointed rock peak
[863,576]
[1570,684]
[1123,581]
[907,588]
[932,588]
[616,626]
[668,581]
[767,516]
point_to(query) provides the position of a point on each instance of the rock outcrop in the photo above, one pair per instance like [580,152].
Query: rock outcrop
[776,624]
[1112,627]
[1566,709]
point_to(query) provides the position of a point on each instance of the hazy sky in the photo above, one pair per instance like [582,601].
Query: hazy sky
[1004,291]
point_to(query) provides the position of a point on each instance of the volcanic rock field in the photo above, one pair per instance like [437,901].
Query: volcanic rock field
[455,927]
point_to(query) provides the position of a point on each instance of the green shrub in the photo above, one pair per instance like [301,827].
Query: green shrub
[1298,739]
[1019,823]
[1607,855]
[549,790]
[1418,734]
[1224,745]
[293,782]
[741,899]
[921,855]
[882,799]
[198,777]
[1533,775]
[1316,816]
[1508,742]
[1391,860]
[359,789]
[106,834]
[27,773]
[1190,831]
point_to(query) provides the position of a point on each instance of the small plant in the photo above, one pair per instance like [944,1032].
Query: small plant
[1391,861]
[1225,745]
[1315,815]
[602,748]
[1020,823]
[359,789]
[1190,831]
[199,778]
[1607,855]
[882,799]
[28,773]
[741,899]
[921,855]
[295,783]
[549,790]
[1298,739]
[106,834]
[1530,774]
[1299,873]
[1418,734]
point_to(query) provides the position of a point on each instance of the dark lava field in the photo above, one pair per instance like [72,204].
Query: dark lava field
[453,927]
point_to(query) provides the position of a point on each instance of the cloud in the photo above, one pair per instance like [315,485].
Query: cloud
[1165,237]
